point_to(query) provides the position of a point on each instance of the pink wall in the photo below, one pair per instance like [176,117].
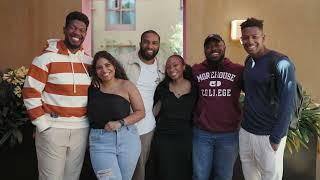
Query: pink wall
[86,9]
[184,30]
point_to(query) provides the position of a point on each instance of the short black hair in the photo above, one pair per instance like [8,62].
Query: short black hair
[187,73]
[252,22]
[149,31]
[76,15]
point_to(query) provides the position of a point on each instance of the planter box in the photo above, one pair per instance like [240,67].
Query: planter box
[20,162]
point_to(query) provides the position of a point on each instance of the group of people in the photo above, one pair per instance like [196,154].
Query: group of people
[189,116]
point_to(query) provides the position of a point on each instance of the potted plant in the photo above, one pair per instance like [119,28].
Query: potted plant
[13,114]
[300,163]
[17,149]
[308,126]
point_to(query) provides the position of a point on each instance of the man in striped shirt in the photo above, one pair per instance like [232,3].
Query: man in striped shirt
[55,94]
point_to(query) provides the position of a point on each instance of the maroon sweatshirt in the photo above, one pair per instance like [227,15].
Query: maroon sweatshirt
[218,108]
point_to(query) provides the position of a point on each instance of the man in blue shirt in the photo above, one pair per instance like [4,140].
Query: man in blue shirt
[264,127]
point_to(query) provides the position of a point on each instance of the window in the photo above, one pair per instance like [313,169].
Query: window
[120,15]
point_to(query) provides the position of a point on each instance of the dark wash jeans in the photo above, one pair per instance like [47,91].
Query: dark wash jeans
[214,151]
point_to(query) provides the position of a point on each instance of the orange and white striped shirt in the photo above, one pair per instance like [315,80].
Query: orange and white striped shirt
[55,90]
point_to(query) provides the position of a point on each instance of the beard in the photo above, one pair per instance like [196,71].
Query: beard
[70,45]
[215,63]
[146,56]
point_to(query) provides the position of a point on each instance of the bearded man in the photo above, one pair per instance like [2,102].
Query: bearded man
[145,70]
[55,95]
[217,113]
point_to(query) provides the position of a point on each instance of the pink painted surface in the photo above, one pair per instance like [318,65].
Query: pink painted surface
[86,9]
[184,30]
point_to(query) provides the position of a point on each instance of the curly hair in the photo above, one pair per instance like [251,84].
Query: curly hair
[76,15]
[252,22]
[119,71]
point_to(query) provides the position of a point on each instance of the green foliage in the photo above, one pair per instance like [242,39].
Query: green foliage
[309,126]
[13,114]
[176,39]
[174,45]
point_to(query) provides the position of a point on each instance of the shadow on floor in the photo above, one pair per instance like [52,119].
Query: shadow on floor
[20,162]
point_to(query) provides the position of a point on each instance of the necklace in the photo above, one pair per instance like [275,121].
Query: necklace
[180,90]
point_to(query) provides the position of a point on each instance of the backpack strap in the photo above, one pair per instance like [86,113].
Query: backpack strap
[273,79]
[274,75]
[246,61]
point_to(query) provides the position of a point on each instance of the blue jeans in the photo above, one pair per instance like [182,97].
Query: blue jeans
[114,155]
[214,151]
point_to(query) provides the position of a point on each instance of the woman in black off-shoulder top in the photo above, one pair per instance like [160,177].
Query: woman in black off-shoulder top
[114,140]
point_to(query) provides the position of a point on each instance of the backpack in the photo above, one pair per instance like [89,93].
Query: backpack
[298,97]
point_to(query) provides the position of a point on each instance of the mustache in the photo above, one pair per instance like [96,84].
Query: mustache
[68,43]
[215,63]
[146,56]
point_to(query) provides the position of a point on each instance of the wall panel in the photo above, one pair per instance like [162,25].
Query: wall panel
[27,24]
[291,26]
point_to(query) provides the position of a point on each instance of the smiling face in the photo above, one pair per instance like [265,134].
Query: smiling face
[149,46]
[214,51]
[253,41]
[75,33]
[105,70]
[175,68]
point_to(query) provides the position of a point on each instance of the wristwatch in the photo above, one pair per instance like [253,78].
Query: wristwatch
[122,122]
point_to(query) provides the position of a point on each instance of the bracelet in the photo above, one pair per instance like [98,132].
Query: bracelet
[122,122]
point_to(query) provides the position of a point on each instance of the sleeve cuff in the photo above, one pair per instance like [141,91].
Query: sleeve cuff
[41,123]
[274,140]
